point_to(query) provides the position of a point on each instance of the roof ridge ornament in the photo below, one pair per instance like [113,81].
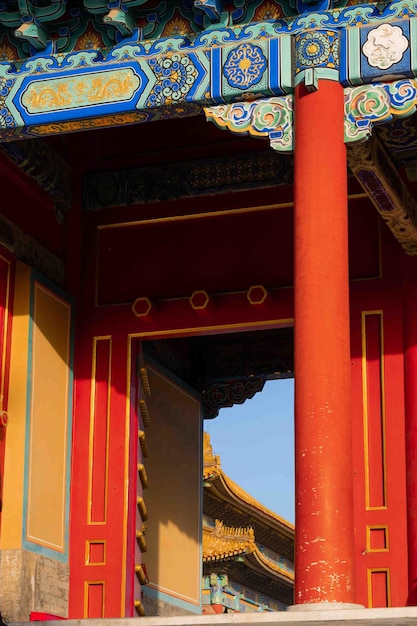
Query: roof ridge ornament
[235,533]
[209,458]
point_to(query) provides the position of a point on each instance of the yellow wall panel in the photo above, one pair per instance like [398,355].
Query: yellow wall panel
[173,498]
[48,443]
[12,513]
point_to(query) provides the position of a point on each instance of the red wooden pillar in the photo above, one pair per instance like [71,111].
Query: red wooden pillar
[410,400]
[324,498]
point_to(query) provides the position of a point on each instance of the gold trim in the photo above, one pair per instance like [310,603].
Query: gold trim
[146,311]
[258,301]
[128,409]
[92,429]
[143,443]
[96,276]
[364,315]
[186,332]
[143,475]
[87,583]
[198,294]
[145,381]
[193,216]
[139,608]
[140,536]
[375,570]
[144,410]
[140,573]
[368,538]
[88,543]
[190,216]
[142,508]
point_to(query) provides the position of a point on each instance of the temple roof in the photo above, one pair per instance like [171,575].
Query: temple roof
[215,476]
[224,542]
[224,499]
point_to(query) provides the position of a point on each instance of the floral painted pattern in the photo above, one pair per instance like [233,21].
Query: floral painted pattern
[317,49]
[176,75]
[245,66]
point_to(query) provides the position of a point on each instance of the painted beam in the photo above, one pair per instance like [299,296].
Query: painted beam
[50,94]
[135,81]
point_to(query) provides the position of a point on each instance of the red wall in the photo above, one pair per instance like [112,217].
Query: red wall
[154,261]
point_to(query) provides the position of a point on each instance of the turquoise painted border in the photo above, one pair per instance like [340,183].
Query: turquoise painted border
[181,604]
[29,545]
[320,72]
[413,46]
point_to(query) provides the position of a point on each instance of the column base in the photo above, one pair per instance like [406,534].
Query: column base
[324,606]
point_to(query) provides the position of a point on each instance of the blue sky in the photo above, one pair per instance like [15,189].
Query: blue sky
[255,441]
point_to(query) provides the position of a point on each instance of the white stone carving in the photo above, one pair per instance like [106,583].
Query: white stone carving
[385,46]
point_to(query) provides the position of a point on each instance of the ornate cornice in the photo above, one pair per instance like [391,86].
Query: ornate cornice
[46,168]
[28,250]
[186,179]
[376,173]
[228,393]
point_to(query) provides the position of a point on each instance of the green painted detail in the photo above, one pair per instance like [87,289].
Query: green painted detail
[353,57]
[319,73]
[367,105]
[413,45]
[286,62]
[271,118]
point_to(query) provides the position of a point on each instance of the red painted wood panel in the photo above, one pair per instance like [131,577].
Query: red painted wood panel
[374,418]
[379,589]
[100,396]
[379,458]
[99,431]
[6,298]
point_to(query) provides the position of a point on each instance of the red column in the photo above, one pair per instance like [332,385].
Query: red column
[324,498]
[410,399]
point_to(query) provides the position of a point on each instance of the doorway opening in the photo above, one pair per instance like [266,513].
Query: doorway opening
[247,535]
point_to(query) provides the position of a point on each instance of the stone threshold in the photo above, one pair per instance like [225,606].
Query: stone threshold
[403,616]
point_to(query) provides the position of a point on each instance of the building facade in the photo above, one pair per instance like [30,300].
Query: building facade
[155,268]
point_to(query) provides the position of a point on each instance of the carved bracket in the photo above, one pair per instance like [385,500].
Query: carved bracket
[272,118]
[367,105]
